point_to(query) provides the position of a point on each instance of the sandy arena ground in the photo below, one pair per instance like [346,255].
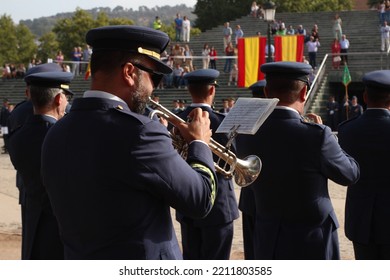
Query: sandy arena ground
[10,224]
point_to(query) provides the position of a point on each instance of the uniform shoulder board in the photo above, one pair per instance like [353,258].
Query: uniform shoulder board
[308,122]
[141,119]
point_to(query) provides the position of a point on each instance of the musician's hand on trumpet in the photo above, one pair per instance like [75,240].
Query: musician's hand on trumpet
[197,129]
[245,171]
[313,118]
[163,121]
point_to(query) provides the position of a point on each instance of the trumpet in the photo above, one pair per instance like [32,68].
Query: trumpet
[245,171]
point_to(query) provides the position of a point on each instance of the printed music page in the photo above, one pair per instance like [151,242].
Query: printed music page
[247,115]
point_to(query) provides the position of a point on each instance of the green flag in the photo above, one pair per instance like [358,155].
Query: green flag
[346,76]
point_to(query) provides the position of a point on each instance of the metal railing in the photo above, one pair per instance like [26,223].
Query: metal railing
[315,83]
[359,64]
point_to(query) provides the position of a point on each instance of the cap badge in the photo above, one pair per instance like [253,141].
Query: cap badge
[148,52]
[64,86]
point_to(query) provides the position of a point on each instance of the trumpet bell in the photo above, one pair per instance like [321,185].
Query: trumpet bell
[247,170]
[244,170]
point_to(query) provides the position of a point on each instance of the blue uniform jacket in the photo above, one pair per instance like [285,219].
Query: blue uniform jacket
[225,207]
[18,117]
[291,193]
[40,223]
[112,176]
[367,209]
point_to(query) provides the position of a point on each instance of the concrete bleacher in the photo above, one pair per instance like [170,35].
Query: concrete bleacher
[361,28]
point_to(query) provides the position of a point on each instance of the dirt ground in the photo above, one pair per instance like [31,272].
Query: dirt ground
[10,225]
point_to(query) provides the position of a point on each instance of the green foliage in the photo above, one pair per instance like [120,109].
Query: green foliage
[48,47]
[71,32]
[102,19]
[8,41]
[143,16]
[41,25]
[16,42]
[120,21]
[26,46]
[212,13]
[170,30]
[195,31]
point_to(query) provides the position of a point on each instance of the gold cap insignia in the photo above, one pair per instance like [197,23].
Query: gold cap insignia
[148,52]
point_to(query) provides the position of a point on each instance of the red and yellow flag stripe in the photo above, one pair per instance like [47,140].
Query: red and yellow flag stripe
[88,72]
[250,56]
[289,48]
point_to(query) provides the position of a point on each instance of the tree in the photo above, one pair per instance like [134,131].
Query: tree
[8,41]
[16,42]
[71,31]
[101,19]
[212,13]
[120,21]
[26,46]
[48,47]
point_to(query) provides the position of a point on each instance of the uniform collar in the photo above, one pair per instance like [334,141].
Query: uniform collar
[200,105]
[102,94]
[46,116]
[287,108]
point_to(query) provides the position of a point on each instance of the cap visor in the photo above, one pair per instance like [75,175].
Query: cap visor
[161,66]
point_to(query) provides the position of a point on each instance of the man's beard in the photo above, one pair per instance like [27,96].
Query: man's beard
[140,97]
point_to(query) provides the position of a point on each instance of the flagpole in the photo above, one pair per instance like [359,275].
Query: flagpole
[346,100]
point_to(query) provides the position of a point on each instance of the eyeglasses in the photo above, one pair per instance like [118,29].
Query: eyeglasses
[155,76]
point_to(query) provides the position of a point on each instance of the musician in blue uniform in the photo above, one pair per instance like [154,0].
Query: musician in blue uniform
[24,109]
[247,203]
[209,238]
[258,89]
[295,218]
[110,171]
[19,115]
[367,138]
[49,92]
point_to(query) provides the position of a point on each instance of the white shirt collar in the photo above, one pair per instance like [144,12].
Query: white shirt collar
[287,108]
[102,94]
[50,116]
[200,105]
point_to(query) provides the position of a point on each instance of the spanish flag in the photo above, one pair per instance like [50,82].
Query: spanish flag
[289,48]
[88,72]
[250,56]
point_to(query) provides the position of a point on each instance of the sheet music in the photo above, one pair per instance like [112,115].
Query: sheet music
[248,114]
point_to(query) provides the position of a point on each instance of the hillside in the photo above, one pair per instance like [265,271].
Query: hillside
[144,16]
